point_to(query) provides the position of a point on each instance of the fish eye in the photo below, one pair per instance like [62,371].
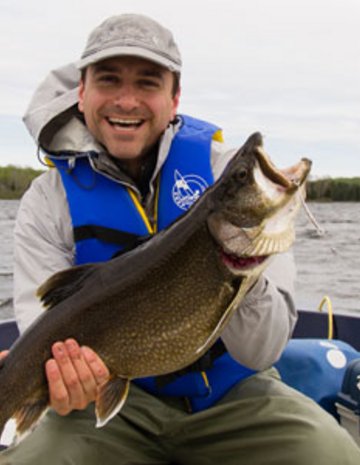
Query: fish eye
[241,175]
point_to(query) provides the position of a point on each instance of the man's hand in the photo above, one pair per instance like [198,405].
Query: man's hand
[3,354]
[73,376]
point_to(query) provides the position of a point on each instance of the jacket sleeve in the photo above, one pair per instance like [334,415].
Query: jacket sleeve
[42,243]
[260,328]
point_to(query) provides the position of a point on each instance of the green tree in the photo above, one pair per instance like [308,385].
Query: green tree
[14,181]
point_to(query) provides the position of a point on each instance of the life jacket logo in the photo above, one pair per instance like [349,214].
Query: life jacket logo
[187,189]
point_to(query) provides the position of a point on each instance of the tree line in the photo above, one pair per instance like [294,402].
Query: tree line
[15,180]
[334,189]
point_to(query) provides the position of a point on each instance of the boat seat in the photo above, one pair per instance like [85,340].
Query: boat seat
[9,333]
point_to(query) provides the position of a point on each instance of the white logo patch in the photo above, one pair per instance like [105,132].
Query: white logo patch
[187,189]
[336,358]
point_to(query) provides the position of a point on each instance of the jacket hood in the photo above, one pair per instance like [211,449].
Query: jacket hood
[52,117]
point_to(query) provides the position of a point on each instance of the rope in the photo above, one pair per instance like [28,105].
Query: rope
[311,217]
[326,300]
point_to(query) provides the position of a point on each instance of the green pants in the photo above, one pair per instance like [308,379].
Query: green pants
[260,421]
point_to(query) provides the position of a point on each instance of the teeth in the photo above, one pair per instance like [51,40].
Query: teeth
[125,122]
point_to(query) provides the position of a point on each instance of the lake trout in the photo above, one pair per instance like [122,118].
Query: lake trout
[158,308]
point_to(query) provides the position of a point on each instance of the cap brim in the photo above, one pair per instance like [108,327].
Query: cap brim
[128,51]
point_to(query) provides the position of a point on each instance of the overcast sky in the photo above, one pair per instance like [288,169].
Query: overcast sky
[287,68]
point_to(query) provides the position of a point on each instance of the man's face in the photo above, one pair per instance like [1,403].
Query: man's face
[127,103]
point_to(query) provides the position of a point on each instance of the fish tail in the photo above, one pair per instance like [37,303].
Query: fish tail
[2,425]
[26,418]
[25,406]
[29,415]
[110,399]
[4,418]
[4,404]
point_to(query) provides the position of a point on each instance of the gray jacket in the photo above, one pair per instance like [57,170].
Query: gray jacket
[262,325]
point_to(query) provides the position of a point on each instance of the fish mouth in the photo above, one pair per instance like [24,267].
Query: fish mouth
[289,178]
[252,218]
[242,263]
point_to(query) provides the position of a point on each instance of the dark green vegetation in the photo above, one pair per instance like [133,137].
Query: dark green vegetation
[334,189]
[14,181]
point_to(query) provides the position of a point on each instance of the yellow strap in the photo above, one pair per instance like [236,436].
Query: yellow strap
[206,379]
[218,136]
[326,300]
[141,210]
[49,163]
[156,205]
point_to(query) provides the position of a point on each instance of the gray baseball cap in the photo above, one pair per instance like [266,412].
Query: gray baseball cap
[135,35]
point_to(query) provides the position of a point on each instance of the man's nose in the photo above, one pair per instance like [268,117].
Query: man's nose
[126,98]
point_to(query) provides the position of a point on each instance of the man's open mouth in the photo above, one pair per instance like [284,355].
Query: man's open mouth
[125,123]
[242,263]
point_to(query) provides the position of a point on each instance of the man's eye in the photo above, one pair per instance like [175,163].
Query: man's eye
[108,78]
[149,83]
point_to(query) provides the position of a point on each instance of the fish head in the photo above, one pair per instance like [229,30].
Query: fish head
[254,207]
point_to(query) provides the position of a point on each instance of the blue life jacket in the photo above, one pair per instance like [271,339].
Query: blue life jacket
[106,216]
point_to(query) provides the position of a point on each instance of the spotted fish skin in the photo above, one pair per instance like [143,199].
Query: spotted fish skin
[158,308]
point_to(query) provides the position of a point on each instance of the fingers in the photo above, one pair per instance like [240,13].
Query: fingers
[3,354]
[98,368]
[58,394]
[73,375]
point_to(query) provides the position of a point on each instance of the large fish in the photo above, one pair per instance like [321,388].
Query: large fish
[160,307]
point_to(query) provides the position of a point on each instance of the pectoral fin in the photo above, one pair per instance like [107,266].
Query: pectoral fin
[63,284]
[110,399]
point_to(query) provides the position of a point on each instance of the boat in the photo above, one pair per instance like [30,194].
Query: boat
[339,333]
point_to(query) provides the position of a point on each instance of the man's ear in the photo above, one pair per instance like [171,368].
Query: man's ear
[81,96]
[176,101]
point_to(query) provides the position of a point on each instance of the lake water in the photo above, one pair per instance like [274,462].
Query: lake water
[327,265]
[8,210]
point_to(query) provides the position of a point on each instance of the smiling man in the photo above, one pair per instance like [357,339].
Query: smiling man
[126,166]
[127,104]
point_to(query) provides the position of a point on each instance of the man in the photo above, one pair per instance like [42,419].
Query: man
[111,141]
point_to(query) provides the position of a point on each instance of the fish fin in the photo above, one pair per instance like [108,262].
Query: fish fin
[29,415]
[63,284]
[110,399]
